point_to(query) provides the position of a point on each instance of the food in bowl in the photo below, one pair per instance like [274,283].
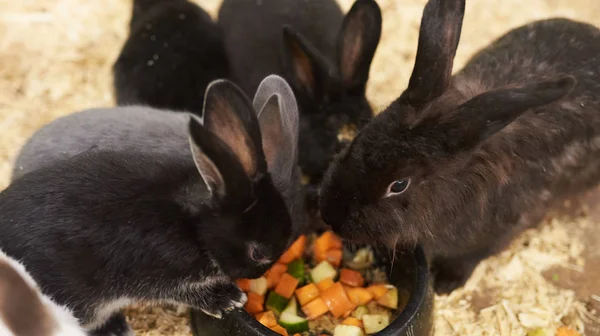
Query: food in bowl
[324,290]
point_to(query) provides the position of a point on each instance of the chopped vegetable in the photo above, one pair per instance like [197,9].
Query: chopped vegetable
[259,286]
[347,330]
[351,277]
[364,258]
[307,293]
[322,271]
[337,300]
[267,319]
[315,308]
[377,290]
[292,307]
[295,251]
[375,323]
[280,330]
[286,286]
[327,241]
[565,331]
[243,284]
[296,269]
[353,321]
[276,302]
[334,257]
[255,303]
[324,284]
[389,299]
[293,323]
[274,274]
[359,312]
[359,296]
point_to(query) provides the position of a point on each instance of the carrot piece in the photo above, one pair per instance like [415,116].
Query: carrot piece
[255,303]
[353,321]
[337,300]
[243,284]
[327,241]
[334,257]
[267,319]
[307,293]
[324,284]
[295,251]
[351,277]
[274,274]
[279,329]
[286,286]
[359,296]
[565,331]
[315,308]
[377,290]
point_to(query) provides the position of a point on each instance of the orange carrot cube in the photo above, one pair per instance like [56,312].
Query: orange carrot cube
[255,303]
[351,278]
[307,293]
[337,300]
[315,308]
[286,286]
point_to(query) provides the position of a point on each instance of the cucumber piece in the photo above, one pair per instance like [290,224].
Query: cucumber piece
[276,302]
[322,271]
[293,323]
[259,286]
[347,330]
[375,323]
[360,311]
[389,299]
[292,307]
[296,269]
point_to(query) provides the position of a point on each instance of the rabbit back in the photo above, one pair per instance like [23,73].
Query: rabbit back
[253,33]
[173,52]
[120,128]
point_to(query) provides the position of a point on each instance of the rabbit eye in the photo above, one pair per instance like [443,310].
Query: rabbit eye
[398,187]
[257,255]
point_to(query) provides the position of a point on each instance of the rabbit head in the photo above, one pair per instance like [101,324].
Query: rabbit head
[24,311]
[250,226]
[390,183]
[331,97]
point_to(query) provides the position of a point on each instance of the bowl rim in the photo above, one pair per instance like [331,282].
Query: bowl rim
[400,323]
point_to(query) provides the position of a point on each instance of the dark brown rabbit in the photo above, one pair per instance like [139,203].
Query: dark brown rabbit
[461,164]
[324,56]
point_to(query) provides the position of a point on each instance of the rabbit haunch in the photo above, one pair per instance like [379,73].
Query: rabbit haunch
[485,152]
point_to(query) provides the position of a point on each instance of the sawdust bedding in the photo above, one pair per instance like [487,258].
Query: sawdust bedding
[55,58]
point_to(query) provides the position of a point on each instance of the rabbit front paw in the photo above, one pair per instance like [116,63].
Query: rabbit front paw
[222,298]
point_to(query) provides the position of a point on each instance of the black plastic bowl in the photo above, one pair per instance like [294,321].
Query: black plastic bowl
[410,271]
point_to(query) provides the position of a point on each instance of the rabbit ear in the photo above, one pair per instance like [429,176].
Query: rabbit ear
[219,167]
[303,65]
[279,123]
[486,114]
[357,42]
[21,308]
[439,34]
[229,115]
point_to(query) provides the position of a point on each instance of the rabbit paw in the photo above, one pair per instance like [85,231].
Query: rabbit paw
[223,297]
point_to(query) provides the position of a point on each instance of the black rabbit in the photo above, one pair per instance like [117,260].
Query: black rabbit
[324,56]
[174,50]
[106,228]
[461,164]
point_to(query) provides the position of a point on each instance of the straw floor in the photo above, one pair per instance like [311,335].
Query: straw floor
[55,59]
